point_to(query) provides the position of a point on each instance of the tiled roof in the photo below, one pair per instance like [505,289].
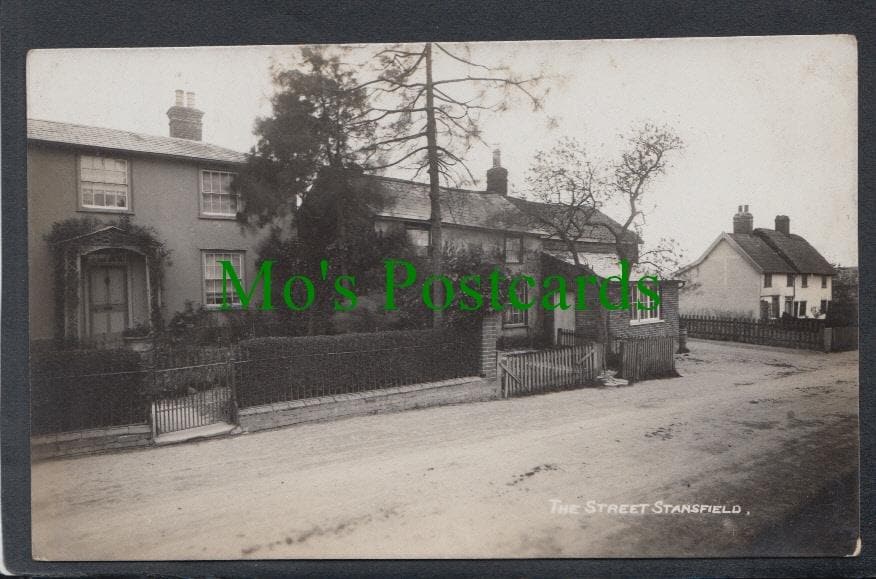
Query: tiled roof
[597,228]
[601,264]
[761,253]
[797,251]
[409,200]
[86,136]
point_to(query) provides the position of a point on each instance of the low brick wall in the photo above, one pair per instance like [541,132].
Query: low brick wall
[373,402]
[87,441]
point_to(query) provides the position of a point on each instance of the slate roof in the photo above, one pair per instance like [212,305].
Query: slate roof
[114,139]
[797,251]
[409,200]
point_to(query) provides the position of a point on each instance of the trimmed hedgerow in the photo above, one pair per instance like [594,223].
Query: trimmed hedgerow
[281,369]
[81,389]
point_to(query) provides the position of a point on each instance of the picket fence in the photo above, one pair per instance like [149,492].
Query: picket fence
[547,370]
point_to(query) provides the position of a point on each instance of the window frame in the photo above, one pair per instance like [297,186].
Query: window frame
[790,280]
[804,280]
[508,238]
[202,212]
[767,280]
[235,299]
[510,314]
[81,206]
[423,250]
[639,317]
[823,282]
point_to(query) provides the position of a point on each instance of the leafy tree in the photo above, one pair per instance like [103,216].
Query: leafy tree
[316,124]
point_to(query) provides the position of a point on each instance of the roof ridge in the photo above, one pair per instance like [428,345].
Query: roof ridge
[137,133]
[411,181]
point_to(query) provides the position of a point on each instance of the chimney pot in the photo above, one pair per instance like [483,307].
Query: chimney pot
[185,119]
[497,175]
[743,221]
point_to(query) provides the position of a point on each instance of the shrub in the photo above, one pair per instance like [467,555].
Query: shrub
[281,369]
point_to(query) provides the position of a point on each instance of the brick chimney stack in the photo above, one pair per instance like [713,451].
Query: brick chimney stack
[783,224]
[497,175]
[743,221]
[185,119]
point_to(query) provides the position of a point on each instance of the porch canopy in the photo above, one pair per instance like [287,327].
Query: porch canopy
[138,255]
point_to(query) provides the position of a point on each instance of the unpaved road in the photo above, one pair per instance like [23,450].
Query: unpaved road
[773,431]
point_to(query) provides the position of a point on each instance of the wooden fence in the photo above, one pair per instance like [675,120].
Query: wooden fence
[803,333]
[547,370]
[642,358]
[784,333]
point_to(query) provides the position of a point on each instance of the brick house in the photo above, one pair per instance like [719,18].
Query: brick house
[758,272]
[178,185]
[499,224]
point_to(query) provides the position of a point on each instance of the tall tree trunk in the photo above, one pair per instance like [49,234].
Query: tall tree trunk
[434,189]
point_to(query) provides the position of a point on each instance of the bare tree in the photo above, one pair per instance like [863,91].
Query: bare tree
[570,188]
[429,124]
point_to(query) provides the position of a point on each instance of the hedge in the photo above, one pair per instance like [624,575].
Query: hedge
[280,369]
[81,389]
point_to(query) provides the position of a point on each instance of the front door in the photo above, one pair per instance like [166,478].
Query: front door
[108,299]
[564,319]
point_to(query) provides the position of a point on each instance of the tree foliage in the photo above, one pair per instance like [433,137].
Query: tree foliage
[316,122]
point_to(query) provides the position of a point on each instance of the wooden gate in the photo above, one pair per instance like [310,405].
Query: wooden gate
[547,370]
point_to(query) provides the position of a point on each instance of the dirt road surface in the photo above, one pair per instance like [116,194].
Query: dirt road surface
[773,431]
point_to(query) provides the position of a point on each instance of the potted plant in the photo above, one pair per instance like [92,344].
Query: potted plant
[138,338]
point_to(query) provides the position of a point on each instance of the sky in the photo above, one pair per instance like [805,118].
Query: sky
[769,122]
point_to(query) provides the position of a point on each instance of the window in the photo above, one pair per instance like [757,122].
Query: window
[790,280]
[419,237]
[824,281]
[103,183]
[804,280]
[513,249]
[638,316]
[800,309]
[213,277]
[514,317]
[767,280]
[217,197]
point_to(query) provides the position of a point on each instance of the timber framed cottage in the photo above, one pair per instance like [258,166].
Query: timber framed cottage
[758,273]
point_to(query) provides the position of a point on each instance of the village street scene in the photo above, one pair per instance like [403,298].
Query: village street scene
[417,300]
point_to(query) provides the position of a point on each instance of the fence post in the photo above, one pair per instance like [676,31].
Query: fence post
[489,334]
[232,382]
[827,337]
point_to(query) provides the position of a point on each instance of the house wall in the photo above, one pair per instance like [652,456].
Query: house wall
[812,294]
[724,283]
[164,194]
